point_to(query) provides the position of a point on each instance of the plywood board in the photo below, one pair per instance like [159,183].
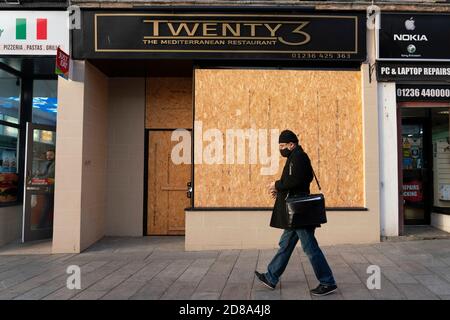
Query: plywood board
[167,181]
[324,108]
[168,103]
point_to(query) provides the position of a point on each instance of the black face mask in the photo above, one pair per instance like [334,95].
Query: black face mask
[285,152]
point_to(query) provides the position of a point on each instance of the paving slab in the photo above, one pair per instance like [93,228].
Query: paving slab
[397,276]
[185,286]
[159,284]
[294,290]
[435,284]
[416,292]
[387,291]
[351,291]
[160,268]
[237,291]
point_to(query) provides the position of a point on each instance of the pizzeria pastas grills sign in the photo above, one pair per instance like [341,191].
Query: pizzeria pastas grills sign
[242,36]
[33,32]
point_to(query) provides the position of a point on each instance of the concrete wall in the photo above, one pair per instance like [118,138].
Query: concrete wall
[441,221]
[219,230]
[212,230]
[125,187]
[10,224]
[387,117]
[95,153]
[81,153]
[68,166]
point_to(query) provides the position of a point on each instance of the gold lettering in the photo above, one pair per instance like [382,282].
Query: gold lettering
[181,27]
[207,27]
[272,31]
[298,30]
[252,27]
[236,32]
[155,28]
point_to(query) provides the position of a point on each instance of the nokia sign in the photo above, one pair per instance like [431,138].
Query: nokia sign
[410,37]
[422,37]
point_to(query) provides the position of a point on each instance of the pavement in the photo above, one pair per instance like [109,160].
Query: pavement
[158,268]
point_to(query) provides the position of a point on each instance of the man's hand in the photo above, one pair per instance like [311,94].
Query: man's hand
[272,190]
[273,194]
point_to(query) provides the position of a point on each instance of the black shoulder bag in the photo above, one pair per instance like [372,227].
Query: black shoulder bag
[306,210]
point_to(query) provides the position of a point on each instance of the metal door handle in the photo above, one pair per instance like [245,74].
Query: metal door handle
[189,190]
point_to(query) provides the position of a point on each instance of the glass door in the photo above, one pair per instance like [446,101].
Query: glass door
[415,166]
[39,182]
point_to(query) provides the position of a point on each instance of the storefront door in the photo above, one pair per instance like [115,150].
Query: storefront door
[39,182]
[167,186]
[424,155]
[417,173]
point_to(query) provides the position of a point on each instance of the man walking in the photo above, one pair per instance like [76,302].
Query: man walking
[295,179]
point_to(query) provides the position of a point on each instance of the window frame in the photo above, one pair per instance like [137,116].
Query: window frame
[25,115]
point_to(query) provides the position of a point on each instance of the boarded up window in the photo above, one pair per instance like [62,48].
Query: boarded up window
[324,108]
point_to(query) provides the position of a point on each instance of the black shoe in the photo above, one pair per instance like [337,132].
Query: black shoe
[262,277]
[323,290]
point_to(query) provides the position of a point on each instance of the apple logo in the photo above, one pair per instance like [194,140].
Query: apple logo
[409,24]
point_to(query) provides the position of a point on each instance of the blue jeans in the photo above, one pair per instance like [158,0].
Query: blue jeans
[288,240]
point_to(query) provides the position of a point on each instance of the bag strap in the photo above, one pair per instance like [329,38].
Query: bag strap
[317,181]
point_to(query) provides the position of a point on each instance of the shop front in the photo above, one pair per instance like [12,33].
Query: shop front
[28,108]
[173,121]
[414,73]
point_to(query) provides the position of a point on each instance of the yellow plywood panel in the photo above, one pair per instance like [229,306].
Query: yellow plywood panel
[168,103]
[167,181]
[324,108]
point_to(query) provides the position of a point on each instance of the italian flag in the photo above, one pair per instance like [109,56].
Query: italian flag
[21,29]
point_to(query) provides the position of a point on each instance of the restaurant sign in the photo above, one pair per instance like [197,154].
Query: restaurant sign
[222,36]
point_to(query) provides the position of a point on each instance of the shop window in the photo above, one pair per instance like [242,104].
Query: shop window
[45,102]
[9,97]
[8,164]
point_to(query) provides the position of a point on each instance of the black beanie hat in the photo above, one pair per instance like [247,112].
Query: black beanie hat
[287,136]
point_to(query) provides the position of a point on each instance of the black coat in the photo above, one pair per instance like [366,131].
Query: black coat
[295,179]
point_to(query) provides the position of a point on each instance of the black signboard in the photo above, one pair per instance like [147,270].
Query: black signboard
[391,71]
[281,36]
[415,92]
[416,37]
